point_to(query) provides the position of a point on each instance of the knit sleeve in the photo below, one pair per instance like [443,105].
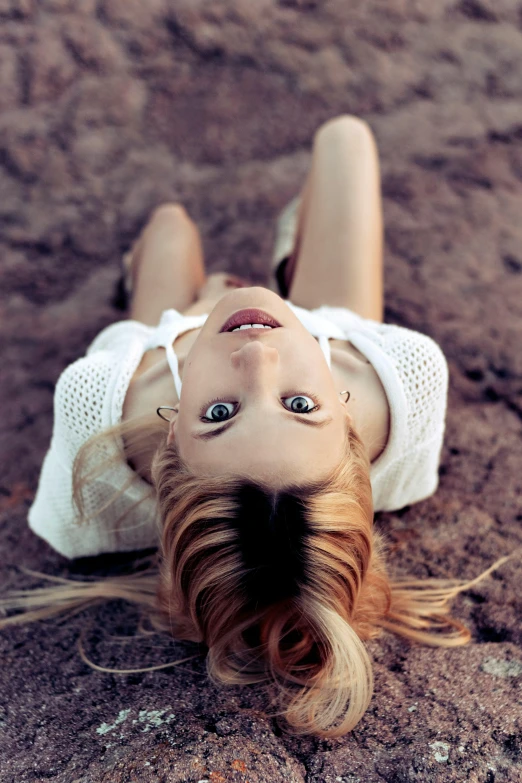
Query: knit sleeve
[54,518]
[82,408]
[422,370]
[410,480]
[116,336]
[79,401]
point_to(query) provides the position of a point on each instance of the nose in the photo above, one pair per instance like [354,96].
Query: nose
[256,360]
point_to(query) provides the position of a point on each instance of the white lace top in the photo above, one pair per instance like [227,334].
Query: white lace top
[89,398]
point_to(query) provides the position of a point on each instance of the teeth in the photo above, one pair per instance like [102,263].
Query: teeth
[251,326]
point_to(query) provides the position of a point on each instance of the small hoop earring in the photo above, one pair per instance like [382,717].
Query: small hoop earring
[347,394]
[165,408]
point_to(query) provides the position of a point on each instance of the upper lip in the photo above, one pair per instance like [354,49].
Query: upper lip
[250,315]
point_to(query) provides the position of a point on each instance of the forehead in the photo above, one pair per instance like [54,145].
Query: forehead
[273,450]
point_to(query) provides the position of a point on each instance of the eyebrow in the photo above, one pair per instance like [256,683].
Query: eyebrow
[303,419]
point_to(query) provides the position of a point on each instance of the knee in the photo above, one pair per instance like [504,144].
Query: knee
[169,212]
[344,125]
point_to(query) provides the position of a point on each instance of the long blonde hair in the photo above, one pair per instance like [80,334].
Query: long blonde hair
[282,587]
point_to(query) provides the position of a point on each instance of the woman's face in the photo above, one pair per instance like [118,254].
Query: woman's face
[255,387]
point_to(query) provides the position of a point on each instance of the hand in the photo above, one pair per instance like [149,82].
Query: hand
[220,283]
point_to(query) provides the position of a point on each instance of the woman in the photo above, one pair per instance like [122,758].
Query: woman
[252,438]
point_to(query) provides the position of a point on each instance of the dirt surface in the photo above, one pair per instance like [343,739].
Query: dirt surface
[110,107]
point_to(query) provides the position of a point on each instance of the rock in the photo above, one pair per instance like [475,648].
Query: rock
[17,9]
[134,13]
[79,7]
[49,65]
[24,139]
[92,45]
[10,83]
[118,100]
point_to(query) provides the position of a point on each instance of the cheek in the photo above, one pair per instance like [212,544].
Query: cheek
[198,367]
[199,374]
[180,433]
[311,363]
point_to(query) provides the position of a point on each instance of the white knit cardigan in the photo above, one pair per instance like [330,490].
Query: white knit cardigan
[89,398]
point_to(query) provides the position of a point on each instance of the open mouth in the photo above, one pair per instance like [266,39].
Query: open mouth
[250,318]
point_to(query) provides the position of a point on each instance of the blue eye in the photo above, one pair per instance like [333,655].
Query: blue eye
[300,403]
[219,411]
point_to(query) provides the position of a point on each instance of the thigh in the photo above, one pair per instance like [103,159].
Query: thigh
[168,265]
[337,258]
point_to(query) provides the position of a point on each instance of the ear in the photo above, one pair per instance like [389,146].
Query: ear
[346,411]
[171,435]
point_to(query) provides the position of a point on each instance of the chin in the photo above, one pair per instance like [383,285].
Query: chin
[253,290]
[254,296]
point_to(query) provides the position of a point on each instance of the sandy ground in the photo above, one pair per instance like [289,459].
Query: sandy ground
[109,108]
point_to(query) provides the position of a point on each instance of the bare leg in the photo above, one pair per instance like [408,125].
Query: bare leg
[167,264]
[337,258]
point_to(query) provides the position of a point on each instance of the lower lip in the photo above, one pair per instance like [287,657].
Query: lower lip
[249,316]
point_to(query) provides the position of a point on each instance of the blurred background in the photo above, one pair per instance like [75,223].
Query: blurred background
[110,107]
